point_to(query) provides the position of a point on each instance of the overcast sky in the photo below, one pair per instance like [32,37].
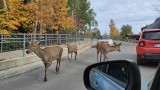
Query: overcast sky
[136,13]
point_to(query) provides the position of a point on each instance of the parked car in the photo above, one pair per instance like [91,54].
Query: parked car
[148,47]
[106,39]
[118,75]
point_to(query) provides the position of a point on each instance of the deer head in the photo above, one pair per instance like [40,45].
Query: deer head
[33,45]
[118,46]
[68,44]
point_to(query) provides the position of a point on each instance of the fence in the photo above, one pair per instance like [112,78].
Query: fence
[15,42]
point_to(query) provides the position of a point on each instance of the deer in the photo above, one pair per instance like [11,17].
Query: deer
[105,48]
[71,49]
[47,55]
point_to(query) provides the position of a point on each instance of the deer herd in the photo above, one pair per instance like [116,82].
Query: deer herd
[49,54]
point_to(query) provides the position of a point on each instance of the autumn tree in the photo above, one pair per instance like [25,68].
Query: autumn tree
[83,14]
[15,17]
[45,16]
[113,30]
[60,16]
[125,29]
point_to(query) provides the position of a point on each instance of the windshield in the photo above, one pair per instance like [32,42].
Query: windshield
[151,35]
[105,37]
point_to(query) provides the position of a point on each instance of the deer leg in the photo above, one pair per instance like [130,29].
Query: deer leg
[59,62]
[100,56]
[75,55]
[97,56]
[68,56]
[71,54]
[58,65]
[106,56]
[46,69]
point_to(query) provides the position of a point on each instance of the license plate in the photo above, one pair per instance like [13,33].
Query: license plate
[156,45]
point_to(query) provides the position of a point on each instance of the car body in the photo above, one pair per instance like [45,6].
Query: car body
[148,47]
[97,79]
[106,39]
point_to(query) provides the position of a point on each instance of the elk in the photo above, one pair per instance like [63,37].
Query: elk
[48,54]
[105,48]
[71,49]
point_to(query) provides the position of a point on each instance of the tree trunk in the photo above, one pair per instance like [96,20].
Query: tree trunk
[4,4]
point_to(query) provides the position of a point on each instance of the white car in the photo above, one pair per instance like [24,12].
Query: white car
[107,40]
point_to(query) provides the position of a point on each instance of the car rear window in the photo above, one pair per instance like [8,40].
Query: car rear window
[151,35]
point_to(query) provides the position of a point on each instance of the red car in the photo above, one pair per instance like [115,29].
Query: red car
[148,47]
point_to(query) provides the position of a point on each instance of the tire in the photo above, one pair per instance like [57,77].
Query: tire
[139,61]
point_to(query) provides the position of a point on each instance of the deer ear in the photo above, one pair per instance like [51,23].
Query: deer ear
[120,43]
[38,42]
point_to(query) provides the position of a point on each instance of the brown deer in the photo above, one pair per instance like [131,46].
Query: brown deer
[71,49]
[105,48]
[48,54]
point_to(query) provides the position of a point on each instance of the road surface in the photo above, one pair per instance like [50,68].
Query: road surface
[70,76]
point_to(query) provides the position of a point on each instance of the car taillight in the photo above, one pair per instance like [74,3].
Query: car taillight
[141,44]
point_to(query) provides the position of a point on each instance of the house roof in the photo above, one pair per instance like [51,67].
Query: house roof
[154,25]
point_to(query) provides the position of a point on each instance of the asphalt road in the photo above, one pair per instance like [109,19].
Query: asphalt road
[70,76]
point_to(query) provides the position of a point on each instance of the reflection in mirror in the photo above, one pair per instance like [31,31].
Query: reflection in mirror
[109,76]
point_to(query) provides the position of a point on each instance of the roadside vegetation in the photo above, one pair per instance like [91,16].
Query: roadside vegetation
[47,16]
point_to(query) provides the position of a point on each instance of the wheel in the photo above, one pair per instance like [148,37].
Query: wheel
[139,61]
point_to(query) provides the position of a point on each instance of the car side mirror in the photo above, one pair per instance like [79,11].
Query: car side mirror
[113,75]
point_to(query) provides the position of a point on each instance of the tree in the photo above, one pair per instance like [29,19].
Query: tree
[113,30]
[157,6]
[16,17]
[45,16]
[125,29]
[96,33]
[83,14]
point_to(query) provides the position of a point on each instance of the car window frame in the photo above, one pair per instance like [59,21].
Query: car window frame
[115,80]
[154,83]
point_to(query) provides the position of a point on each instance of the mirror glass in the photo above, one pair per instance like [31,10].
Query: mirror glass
[109,76]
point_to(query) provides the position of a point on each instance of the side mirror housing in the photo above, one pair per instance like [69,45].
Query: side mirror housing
[113,75]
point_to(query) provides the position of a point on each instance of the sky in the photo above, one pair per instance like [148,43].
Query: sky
[137,13]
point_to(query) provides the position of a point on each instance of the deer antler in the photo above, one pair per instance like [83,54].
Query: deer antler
[115,44]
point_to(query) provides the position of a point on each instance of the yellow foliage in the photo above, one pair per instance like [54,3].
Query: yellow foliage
[113,30]
[23,19]
[89,34]
[4,31]
[52,14]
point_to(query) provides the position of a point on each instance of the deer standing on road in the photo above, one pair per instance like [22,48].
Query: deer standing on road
[71,49]
[105,48]
[48,54]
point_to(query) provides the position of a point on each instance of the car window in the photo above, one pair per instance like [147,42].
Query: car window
[151,35]
[99,79]
[118,71]
[105,37]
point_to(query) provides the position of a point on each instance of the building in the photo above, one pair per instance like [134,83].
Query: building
[133,37]
[154,25]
